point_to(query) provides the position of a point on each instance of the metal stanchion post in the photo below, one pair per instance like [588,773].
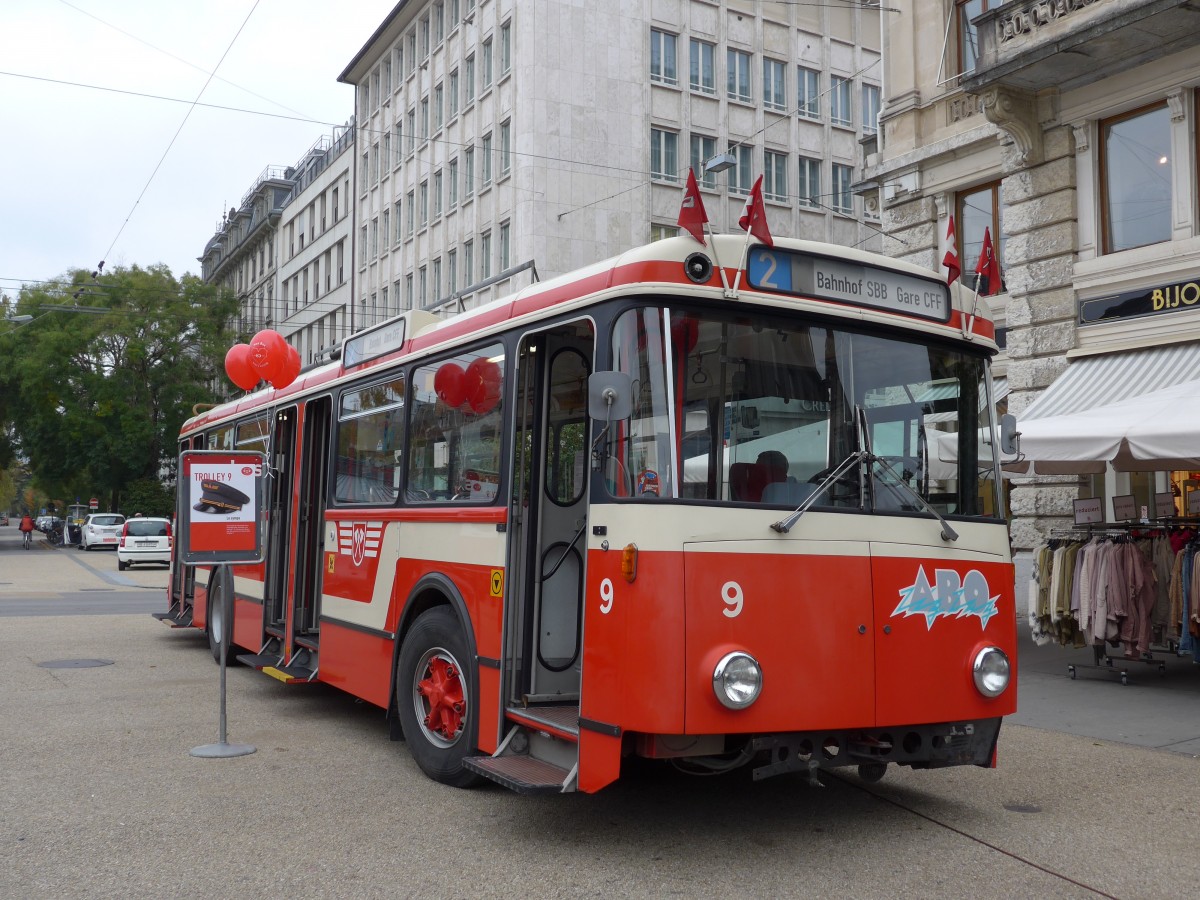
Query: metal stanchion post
[223,749]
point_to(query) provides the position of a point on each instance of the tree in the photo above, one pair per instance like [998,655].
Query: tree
[97,396]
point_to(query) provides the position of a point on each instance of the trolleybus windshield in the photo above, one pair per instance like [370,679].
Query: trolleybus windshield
[759,409]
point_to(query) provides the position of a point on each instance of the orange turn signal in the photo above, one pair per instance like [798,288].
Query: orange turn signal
[629,562]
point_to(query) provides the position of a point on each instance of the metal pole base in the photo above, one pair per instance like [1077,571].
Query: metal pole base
[223,750]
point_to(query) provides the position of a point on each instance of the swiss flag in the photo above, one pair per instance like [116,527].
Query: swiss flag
[691,211]
[987,270]
[754,216]
[950,260]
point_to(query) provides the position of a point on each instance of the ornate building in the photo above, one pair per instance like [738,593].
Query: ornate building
[1068,129]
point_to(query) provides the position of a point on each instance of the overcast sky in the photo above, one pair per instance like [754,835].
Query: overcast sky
[75,160]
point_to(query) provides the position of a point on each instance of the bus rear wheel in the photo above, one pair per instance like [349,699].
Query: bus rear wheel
[215,628]
[434,699]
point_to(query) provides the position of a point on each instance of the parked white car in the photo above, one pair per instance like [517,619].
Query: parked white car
[101,530]
[144,540]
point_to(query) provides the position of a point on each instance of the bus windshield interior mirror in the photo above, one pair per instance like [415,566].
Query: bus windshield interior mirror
[1010,438]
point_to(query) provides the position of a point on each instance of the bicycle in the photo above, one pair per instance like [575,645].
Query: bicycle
[28,539]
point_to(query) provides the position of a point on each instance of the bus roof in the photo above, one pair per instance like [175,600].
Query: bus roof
[642,269]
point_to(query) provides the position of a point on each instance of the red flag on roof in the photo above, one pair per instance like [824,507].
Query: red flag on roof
[754,216]
[691,211]
[987,270]
[950,260]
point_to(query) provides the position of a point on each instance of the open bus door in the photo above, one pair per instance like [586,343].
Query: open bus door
[542,666]
[181,590]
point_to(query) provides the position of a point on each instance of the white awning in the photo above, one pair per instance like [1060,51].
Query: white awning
[1139,411]
[1102,380]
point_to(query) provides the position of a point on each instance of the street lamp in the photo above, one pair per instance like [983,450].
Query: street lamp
[722,162]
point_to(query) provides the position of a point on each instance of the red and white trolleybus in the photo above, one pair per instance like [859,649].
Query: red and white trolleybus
[721,517]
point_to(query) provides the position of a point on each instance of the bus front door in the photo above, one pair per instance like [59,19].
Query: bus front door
[547,547]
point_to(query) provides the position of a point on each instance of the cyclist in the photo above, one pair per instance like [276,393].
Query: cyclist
[27,530]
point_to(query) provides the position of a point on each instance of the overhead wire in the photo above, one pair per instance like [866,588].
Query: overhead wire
[175,136]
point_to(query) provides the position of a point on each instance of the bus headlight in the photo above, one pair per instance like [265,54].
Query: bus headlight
[991,671]
[737,680]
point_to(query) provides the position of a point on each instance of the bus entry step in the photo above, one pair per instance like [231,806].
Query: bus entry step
[522,774]
[175,619]
[258,660]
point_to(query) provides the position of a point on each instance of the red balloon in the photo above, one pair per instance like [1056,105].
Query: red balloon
[289,370]
[238,368]
[268,353]
[483,385]
[449,384]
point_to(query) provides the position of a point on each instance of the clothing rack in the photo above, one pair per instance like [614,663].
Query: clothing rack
[1101,660]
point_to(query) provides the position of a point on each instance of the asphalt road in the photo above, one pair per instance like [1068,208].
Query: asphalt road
[102,799]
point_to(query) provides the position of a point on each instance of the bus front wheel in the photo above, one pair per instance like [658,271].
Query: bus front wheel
[434,699]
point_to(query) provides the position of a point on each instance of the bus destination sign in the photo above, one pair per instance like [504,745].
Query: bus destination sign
[844,281]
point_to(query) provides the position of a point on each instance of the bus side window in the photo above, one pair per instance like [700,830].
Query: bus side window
[370,441]
[454,436]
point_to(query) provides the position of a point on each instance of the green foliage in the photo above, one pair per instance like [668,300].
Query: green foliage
[148,496]
[96,399]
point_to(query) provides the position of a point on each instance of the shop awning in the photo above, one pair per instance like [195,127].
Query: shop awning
[1138,411]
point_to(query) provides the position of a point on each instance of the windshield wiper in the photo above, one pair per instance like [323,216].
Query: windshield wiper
[783,526]
[948,533]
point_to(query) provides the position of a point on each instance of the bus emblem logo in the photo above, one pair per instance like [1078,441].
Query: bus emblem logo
[359,540]
[948,595]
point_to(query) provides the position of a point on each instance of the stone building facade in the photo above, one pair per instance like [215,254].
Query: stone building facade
[1077,120]
[501,141]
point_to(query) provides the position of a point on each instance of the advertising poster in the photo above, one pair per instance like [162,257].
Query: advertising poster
[221,506]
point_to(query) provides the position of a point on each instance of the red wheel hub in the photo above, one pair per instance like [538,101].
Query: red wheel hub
[443,692]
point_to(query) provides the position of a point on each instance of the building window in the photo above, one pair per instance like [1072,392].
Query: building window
[968,37]
[397,235]
[703,149]
[408,292]
[438,97]
[978,208]
[424,30]
[422,286]
[505,149]
[424,195]
[1135,181]
[452,96]
[452,271]
[809,85]
[437,193]
[662,57]
[808,189]
[485,152]
[662,232]
[452,184]
[486,73]
[412,131]
[775,186]
[469,80]
[424,119]
[664,155]
[870,109]
[485,256]
[387,75]
[839,101]
[505,48]
[737,76]
[774,84]
[468,172]
[741,176]
[439,22]
[468,263]
[843,177]
[408,220]
[435,279]
[385,229]
[505,246]
[702,72]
